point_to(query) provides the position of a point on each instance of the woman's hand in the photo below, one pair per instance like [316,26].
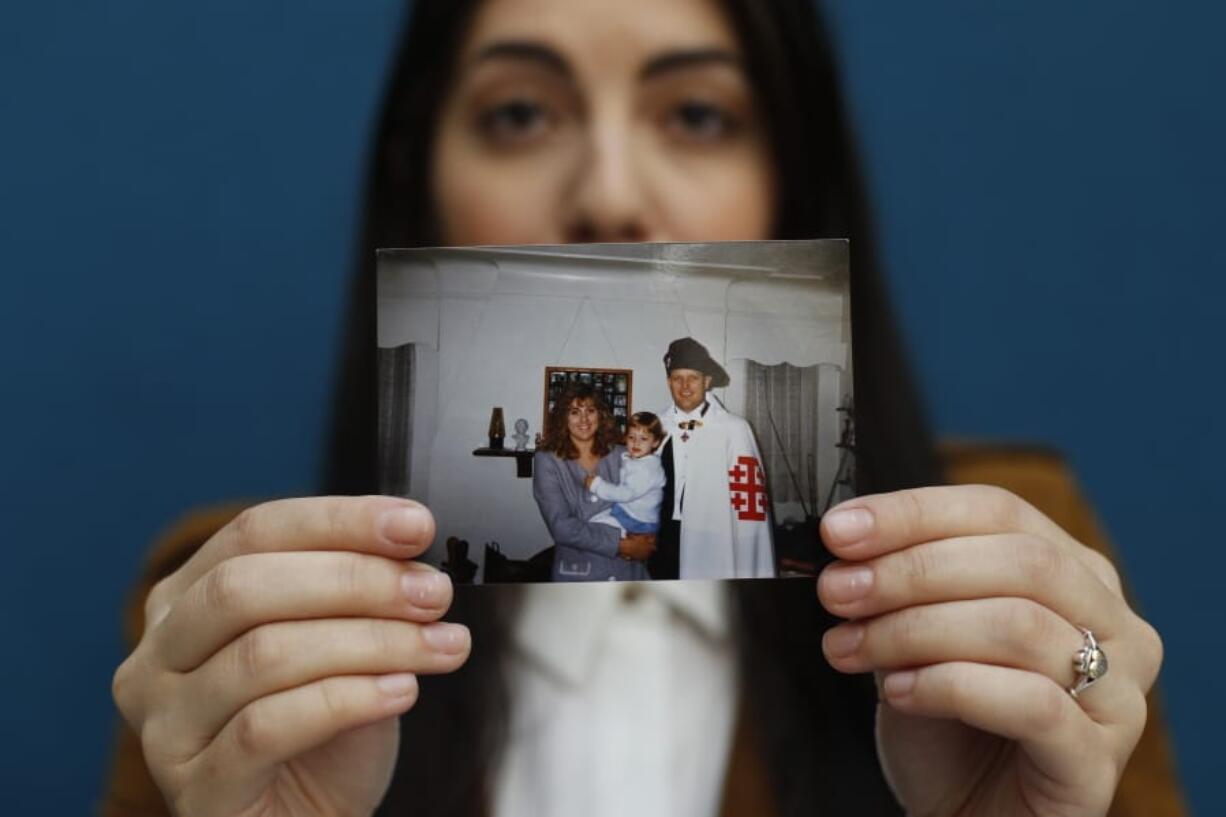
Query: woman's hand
[275,662]
[637,547]
[967,602]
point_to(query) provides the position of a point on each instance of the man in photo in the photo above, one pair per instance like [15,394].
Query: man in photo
[716,514]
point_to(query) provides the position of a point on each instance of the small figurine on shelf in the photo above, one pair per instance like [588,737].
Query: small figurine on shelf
[521,434]
[498,428]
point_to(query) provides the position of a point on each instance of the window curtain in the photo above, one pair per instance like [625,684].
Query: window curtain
[395,418]
[781,406]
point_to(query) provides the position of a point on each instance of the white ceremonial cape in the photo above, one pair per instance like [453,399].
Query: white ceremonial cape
[725,513]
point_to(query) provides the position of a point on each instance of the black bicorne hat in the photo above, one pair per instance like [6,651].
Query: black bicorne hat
[687,353]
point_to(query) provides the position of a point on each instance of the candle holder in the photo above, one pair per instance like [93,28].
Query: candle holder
[498,428]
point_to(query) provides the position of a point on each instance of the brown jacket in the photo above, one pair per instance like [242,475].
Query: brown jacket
[1149,787]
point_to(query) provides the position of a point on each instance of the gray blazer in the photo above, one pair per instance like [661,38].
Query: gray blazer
[584,551]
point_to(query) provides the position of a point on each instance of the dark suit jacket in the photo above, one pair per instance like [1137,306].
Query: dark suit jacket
[665,563]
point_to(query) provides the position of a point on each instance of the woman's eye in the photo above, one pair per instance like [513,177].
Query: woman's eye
[701,120]
[513,120]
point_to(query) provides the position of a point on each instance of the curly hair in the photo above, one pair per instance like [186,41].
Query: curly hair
[556,438]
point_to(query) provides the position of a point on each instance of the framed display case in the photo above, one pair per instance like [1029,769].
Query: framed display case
[616,386]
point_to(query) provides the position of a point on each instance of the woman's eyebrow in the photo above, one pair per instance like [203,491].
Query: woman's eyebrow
[690,58]
[525,51]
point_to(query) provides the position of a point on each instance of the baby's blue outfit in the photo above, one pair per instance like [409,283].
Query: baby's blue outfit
[636,497]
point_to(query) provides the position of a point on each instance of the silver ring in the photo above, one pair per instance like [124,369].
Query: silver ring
[1090,662]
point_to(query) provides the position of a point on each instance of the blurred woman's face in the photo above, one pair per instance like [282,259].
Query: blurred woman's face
[591,120]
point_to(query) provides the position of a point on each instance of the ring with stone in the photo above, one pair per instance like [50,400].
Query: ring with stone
[1090,662]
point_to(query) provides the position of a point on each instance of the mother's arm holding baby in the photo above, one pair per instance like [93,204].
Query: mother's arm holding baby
[585,550]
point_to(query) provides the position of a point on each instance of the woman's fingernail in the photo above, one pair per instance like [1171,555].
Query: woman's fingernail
[844,640]
[404,526]
[444,637]
[425,588]
[849,526]
[899,684]
[847,584]
[398,685]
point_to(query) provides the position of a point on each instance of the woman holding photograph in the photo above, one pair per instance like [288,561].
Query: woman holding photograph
[579,441]
[277,650]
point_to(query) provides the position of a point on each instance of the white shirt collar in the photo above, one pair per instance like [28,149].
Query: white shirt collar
[696,414]
[714,409]
[560,626]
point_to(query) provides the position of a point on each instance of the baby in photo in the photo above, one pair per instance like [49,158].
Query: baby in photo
[638,494]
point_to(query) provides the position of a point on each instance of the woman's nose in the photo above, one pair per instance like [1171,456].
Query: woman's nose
[608,200]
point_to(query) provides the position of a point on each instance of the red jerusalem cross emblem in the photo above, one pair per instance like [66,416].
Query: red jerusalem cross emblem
[747,490]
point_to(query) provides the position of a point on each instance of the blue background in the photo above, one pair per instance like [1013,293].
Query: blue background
[178,196]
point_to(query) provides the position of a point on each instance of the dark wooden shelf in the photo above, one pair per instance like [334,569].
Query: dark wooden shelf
[523,459]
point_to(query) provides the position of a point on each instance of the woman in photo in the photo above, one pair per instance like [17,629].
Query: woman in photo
[580,441]
[278,650]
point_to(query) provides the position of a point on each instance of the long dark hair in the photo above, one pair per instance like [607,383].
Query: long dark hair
[556,437]
[820,194]
[814,725]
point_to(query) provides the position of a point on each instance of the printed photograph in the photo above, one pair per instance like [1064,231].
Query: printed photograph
[621,412]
